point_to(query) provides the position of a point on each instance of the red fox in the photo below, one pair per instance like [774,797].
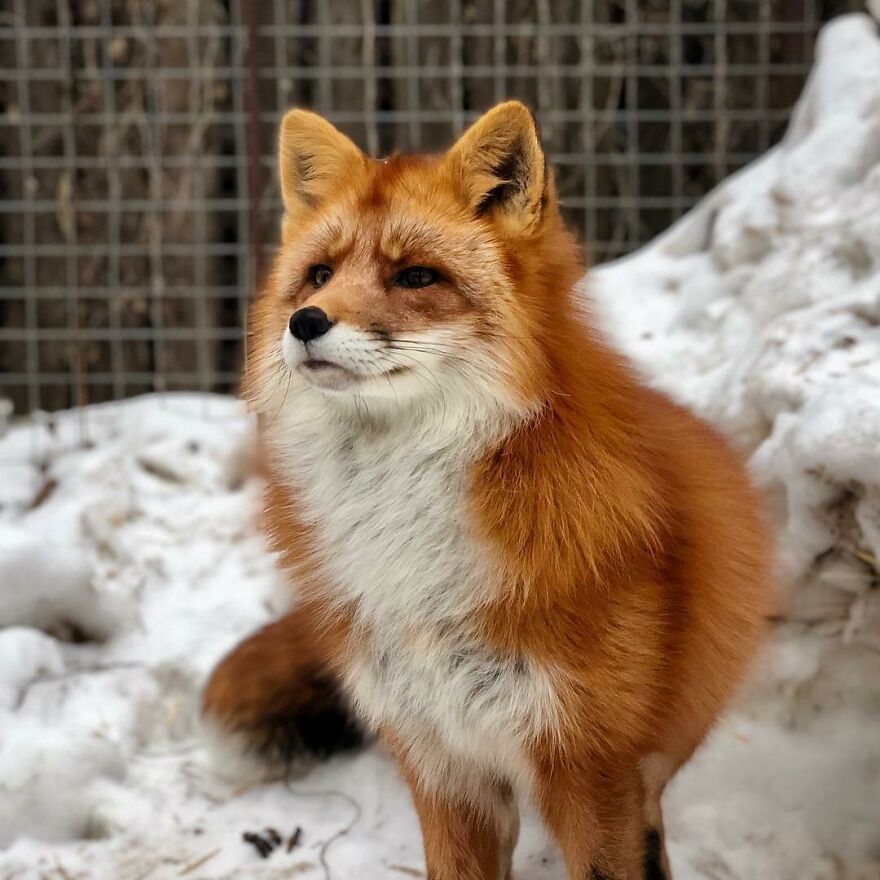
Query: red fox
[524,571]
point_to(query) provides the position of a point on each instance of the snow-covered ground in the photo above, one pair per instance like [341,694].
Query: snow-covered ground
[131,559]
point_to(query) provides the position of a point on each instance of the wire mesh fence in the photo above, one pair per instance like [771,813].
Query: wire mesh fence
[139,199]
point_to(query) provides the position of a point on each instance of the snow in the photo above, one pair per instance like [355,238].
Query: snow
[131,558]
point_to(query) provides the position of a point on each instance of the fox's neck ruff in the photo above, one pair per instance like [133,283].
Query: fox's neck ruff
[464,416]
[387,491]
[388,497]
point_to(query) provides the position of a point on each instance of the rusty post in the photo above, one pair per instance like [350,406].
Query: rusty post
[251,16]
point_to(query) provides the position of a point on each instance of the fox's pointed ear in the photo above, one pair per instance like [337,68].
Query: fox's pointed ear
[498,165]
[313,159]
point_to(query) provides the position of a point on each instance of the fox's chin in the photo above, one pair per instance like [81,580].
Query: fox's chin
[329,376]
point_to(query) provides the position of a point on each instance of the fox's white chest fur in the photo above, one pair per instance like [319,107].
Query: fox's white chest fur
[396,539]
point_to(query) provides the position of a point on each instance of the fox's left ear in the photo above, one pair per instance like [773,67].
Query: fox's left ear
[498,165]
[314,159]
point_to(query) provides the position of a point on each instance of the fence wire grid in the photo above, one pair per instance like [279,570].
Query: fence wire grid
[138,196]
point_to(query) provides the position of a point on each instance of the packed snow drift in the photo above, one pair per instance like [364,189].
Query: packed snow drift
[131,558]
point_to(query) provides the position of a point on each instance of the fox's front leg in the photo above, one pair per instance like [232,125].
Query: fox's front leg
[276,696]
[599,821]
[469,819]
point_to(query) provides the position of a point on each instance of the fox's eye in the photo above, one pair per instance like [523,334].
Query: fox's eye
[319,275]
[417,276]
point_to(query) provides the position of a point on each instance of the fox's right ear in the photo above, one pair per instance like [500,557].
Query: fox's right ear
[313,159]
[498,165]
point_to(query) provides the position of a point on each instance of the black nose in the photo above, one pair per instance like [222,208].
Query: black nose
[309,323]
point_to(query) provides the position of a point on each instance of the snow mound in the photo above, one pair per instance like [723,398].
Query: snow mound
[46,584]
[131,559]
[761,310]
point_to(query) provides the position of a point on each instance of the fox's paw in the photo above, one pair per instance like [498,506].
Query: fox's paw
[264,714]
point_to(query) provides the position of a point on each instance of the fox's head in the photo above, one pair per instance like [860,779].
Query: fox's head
[415,279]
